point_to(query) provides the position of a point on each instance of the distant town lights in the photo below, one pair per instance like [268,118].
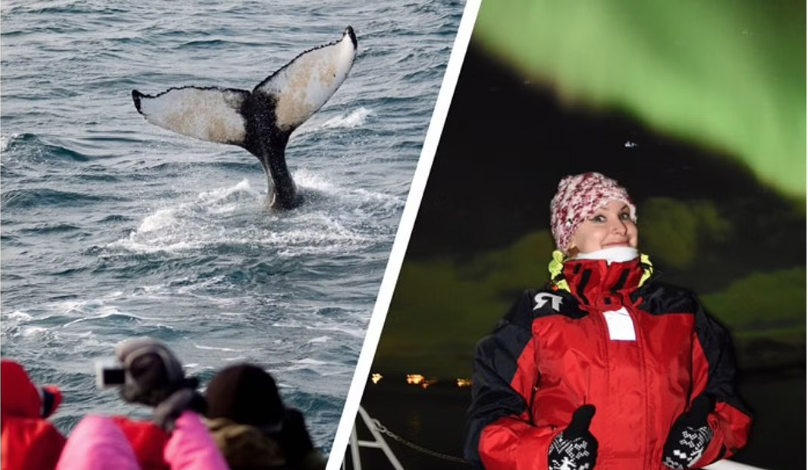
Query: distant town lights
[418,379]
[415,379]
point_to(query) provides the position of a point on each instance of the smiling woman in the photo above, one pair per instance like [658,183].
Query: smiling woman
[591,212]
[610,226]
[606,367]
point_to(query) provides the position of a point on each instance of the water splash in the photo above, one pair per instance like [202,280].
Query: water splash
[353,119]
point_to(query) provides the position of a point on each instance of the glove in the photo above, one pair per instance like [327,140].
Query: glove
[689,436]
[575,448]
[166,413]
[154,377]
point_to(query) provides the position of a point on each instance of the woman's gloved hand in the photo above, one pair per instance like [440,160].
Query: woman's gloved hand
[575,448]
[689,436]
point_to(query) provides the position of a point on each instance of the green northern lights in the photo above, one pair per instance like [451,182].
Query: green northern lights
[728,75]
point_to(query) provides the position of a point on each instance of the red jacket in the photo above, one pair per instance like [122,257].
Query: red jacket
[29,441]
[557,349]
[147,440]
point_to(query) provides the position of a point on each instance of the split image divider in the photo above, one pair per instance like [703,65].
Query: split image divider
[405,227]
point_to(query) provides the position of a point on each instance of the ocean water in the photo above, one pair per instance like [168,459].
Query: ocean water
[113,228]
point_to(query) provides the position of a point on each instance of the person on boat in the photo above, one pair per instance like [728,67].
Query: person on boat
[606,367]
[154,377]
[252,426]
[29,440]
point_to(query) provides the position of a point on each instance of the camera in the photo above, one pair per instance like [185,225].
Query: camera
[109,373]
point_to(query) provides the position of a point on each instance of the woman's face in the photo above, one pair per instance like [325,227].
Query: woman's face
[610,226]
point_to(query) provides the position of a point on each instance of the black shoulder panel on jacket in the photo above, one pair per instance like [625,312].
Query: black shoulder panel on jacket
[716,344]
[496,359]
[660,298]
[519,313]
[533,304]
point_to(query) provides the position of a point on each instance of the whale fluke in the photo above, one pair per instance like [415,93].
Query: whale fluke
[262,120]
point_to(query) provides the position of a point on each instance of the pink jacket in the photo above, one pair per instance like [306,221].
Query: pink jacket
[97,443]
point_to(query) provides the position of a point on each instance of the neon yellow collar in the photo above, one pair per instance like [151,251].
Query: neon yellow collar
[557,265]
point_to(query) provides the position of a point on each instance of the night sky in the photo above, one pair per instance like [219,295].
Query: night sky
[506,143]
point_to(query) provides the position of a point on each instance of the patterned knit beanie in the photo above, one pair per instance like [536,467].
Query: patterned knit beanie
[245,394]
[578,197]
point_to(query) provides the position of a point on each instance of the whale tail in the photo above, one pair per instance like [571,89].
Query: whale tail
[289,97]
[260,120]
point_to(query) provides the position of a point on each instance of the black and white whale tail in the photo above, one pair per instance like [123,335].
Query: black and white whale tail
[262,120]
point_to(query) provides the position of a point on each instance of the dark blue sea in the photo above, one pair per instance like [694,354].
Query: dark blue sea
[113,228]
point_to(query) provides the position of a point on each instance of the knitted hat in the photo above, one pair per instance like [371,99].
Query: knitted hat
[153,371]
[578,197]
[21,397]
[245,394]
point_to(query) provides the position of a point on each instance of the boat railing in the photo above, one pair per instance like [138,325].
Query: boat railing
[379,442]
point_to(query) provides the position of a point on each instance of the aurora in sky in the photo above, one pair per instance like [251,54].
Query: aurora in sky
[729,75]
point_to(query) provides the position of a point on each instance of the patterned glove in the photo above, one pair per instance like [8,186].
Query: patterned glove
[689,436]
[575,448]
